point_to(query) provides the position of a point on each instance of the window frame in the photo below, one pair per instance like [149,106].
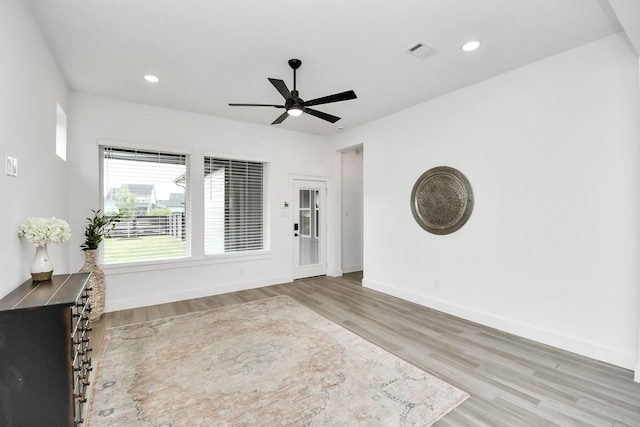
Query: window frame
[194,218]
[266,235]
[127,266]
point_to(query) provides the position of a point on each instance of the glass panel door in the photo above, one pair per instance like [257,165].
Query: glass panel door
[309,239]
[308,229]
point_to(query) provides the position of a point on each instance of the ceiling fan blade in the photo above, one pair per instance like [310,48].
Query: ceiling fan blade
[343,96]
[321,115]
[280,118]
[281,86]
[256,105]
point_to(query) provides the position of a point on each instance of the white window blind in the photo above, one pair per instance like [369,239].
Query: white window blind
[234,205]
[148,189]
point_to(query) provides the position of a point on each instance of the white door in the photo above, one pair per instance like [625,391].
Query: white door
[309,228]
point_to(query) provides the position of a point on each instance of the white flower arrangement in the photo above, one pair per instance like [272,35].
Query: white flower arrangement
[40,231]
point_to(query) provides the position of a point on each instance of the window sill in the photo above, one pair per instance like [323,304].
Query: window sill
[168,264]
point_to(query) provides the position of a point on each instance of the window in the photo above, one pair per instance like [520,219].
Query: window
[61,133]
[148,189]
[310,220]
[305,213]
[234,206]
[317,216]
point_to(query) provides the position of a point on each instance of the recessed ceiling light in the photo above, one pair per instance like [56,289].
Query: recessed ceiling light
[471,46]
[151,78]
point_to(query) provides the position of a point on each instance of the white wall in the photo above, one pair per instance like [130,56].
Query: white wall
[289,153]
[352,214]
[628,14]
[637,368]
[552,151]
[31,85]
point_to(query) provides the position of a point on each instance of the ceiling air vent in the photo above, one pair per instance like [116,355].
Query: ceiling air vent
[421,50]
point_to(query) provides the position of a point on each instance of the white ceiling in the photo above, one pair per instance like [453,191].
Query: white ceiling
[212,52]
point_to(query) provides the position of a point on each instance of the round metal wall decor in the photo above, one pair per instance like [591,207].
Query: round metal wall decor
[442,200]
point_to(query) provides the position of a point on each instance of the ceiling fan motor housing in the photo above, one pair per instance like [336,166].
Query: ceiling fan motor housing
[295,63]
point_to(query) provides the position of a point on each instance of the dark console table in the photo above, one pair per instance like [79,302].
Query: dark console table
[45,352]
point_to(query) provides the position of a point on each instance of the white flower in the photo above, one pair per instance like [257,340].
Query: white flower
[40,231]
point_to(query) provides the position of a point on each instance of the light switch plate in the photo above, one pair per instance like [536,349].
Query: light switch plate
[12,166]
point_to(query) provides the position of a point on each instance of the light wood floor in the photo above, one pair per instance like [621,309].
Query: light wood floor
[512,381]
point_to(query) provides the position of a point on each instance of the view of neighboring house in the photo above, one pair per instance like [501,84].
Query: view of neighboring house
[175,203]
[145,195]
[144,221]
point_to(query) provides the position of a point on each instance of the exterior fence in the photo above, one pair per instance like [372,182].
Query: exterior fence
[152,225]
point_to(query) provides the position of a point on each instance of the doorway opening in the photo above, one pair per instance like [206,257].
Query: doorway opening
[352,212]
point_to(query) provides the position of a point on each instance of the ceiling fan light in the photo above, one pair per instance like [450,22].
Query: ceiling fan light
[295,111]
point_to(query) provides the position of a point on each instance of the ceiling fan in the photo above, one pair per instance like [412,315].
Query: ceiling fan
[294,105]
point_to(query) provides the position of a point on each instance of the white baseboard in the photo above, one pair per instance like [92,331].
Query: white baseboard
[334,273]
[636,377]
[351,268]
[147,300]
[613,356]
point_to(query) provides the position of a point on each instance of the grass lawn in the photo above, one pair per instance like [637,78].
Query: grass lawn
[143,248]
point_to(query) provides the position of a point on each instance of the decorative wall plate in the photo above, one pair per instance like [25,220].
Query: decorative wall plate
[442,200]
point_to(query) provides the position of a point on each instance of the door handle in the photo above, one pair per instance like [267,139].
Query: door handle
[295,234]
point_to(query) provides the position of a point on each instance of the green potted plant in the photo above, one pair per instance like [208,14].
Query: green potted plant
[97,229]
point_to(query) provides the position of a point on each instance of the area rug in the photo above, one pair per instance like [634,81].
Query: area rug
[270,362]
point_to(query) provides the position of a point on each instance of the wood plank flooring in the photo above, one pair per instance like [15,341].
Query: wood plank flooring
[512,381]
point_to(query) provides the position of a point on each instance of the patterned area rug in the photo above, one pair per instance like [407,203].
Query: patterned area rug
[271,362]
